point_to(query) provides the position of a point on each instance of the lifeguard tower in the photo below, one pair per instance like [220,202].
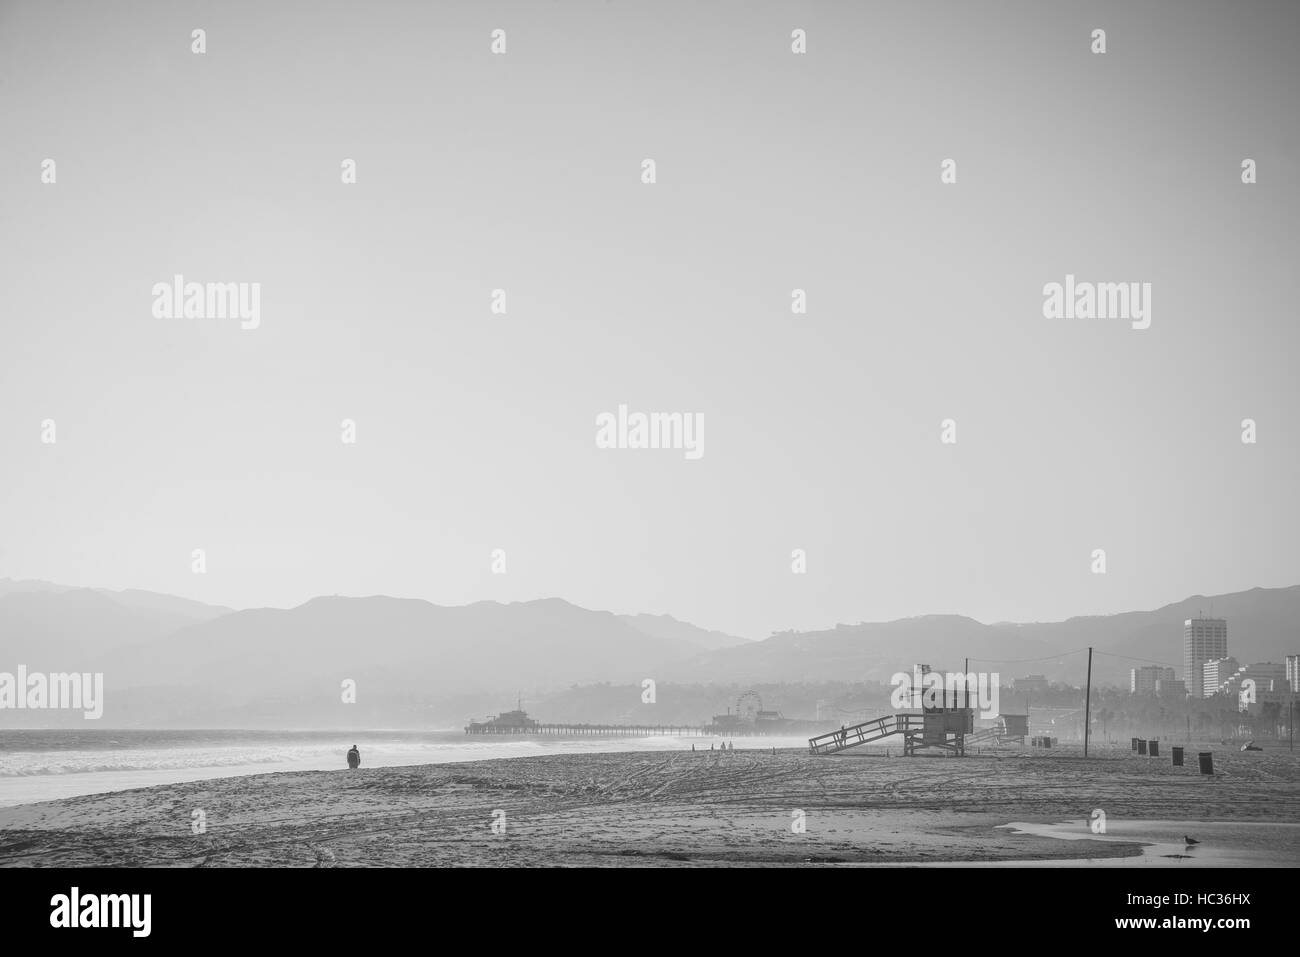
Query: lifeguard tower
[1015,727]
[943,725]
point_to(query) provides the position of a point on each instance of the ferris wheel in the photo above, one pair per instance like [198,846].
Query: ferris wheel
[748,705]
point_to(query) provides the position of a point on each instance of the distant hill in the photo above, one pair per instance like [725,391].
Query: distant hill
[863,652]
[1263,625]
[393,649]
[54,628]
[11,586]
[671,629]
[165,604]
[169,661]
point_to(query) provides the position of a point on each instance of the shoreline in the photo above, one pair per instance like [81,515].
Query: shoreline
[678,808]
[67,773]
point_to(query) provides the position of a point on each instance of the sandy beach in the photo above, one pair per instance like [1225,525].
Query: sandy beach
[690,809]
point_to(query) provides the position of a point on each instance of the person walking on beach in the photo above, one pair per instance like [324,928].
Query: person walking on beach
[354,758]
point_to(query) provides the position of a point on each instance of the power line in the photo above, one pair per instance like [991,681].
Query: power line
[1015,661]
[1151,661]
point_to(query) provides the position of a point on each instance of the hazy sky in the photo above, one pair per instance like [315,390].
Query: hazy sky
[775,171]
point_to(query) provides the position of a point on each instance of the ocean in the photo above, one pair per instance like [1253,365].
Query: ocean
[46,765]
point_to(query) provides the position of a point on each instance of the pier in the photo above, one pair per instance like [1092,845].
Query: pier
[581,730]
[749,720]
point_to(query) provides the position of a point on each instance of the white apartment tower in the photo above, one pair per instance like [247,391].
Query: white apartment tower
[1204,639]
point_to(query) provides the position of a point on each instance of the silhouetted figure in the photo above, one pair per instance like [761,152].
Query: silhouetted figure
[354,758]
[1189,841]
[692,747]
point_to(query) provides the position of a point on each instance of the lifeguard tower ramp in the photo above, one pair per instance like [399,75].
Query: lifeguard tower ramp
[998,734]
[1010,727]
[943,728]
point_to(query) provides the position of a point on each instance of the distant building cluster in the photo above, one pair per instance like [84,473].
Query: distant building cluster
[1216,674]
[1267,682]
[1031,684]
[1209,671]
[1148,678]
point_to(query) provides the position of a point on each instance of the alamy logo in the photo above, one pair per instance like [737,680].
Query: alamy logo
[179,299]
[653,430]
[1098,300]
[934,689]
[1247,695]
[73,691]
[102,910]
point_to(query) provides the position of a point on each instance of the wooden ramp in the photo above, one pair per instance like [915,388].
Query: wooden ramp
[868,731]
[995,734]
[998,734]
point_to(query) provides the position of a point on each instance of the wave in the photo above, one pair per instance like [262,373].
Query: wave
[90,762]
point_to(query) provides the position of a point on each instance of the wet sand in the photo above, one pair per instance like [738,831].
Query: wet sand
[690,809]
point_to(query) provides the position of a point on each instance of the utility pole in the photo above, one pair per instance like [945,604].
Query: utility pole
[1087,706]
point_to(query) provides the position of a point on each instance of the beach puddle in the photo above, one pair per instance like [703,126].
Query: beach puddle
[1221,843]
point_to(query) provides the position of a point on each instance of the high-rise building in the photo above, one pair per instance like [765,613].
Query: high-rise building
[1171,687]
[1293,671]
[1145,679]
[1216,674]
[1204,639]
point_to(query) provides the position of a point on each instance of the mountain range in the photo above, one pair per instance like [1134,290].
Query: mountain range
[173,661]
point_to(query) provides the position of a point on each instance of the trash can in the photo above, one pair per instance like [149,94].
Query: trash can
[1142,746]
[1178,757]
[1153,748]
[1207,761]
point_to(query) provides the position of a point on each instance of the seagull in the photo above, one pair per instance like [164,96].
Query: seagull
[1189,841]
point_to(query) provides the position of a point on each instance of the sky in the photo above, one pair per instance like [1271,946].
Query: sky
[774,171]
